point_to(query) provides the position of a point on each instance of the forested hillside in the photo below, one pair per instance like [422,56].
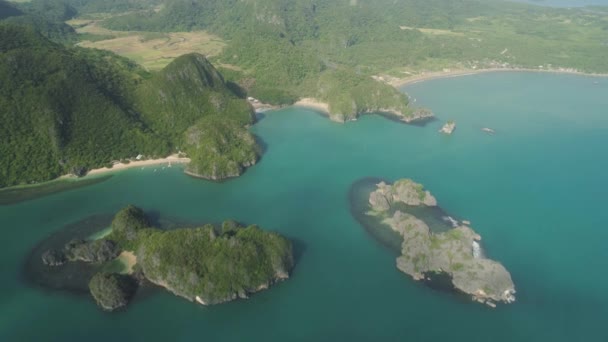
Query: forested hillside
[71,109]
[280,45]
[66,109]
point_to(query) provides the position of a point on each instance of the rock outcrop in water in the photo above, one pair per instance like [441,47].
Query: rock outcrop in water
[455,252]
[97,251]
[448,128]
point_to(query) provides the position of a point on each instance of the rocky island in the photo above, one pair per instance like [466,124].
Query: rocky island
[219,149]
[208,264]
[448,128]
[455,252]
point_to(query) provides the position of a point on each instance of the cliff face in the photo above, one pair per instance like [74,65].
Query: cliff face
[456,252]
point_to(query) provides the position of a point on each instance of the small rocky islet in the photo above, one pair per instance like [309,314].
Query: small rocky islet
[455,252]
[208,264]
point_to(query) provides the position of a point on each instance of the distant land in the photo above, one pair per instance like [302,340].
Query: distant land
[90,108]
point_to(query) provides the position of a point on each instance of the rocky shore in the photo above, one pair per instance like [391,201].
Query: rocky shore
[456,252]
[419,114]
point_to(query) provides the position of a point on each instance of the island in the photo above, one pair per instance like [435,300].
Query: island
[454,251]
[206,265]
[448,128]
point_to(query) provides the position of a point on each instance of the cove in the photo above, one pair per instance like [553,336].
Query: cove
[534,190]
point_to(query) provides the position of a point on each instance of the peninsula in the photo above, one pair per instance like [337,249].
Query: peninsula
[455,252]
[206,265]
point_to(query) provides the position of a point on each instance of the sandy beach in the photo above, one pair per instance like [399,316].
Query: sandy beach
[172,159]
[311,103]
[400,82]
[128,259]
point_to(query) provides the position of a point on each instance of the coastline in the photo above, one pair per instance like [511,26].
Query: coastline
[311,103]
[172,159]
[401,82]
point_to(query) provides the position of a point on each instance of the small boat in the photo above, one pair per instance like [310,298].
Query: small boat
[488,130]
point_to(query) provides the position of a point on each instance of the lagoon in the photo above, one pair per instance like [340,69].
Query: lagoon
[535,191]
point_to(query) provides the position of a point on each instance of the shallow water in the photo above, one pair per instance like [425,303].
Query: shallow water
[535,191]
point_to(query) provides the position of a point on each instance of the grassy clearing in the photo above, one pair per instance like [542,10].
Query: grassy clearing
[152,50]
[433,31]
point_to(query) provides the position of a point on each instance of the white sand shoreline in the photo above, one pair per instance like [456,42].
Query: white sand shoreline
[311,103]
[129,260]
[172,159]
[401,82]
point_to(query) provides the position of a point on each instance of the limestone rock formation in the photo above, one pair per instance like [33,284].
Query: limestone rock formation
[455,252]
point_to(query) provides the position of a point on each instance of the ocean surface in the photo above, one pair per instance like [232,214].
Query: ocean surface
[536,192]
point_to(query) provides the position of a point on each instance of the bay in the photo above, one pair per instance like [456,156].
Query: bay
[535,191]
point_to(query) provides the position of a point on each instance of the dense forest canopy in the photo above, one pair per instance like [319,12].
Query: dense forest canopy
[65,110]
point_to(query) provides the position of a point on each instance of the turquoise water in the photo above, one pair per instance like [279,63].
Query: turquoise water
[535,191]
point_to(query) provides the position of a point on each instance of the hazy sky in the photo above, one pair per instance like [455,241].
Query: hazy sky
[566,3]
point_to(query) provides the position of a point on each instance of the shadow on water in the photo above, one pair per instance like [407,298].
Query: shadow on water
[358,196]
[259,116]
[299,249]
[262,144]
[21,194]
[73,276]
[416,123]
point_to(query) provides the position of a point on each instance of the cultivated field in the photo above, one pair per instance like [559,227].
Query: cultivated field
[152,50]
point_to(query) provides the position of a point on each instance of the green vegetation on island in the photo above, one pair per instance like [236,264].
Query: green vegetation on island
[208,264]
[66,110]
[112,291]
[349,95]
[209,267]
[219,149]
[456,251]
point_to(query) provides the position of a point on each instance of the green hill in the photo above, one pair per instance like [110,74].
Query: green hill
[61,111]
[282,47]
[70,109]
[47,18]
[186,90]
[219,148]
